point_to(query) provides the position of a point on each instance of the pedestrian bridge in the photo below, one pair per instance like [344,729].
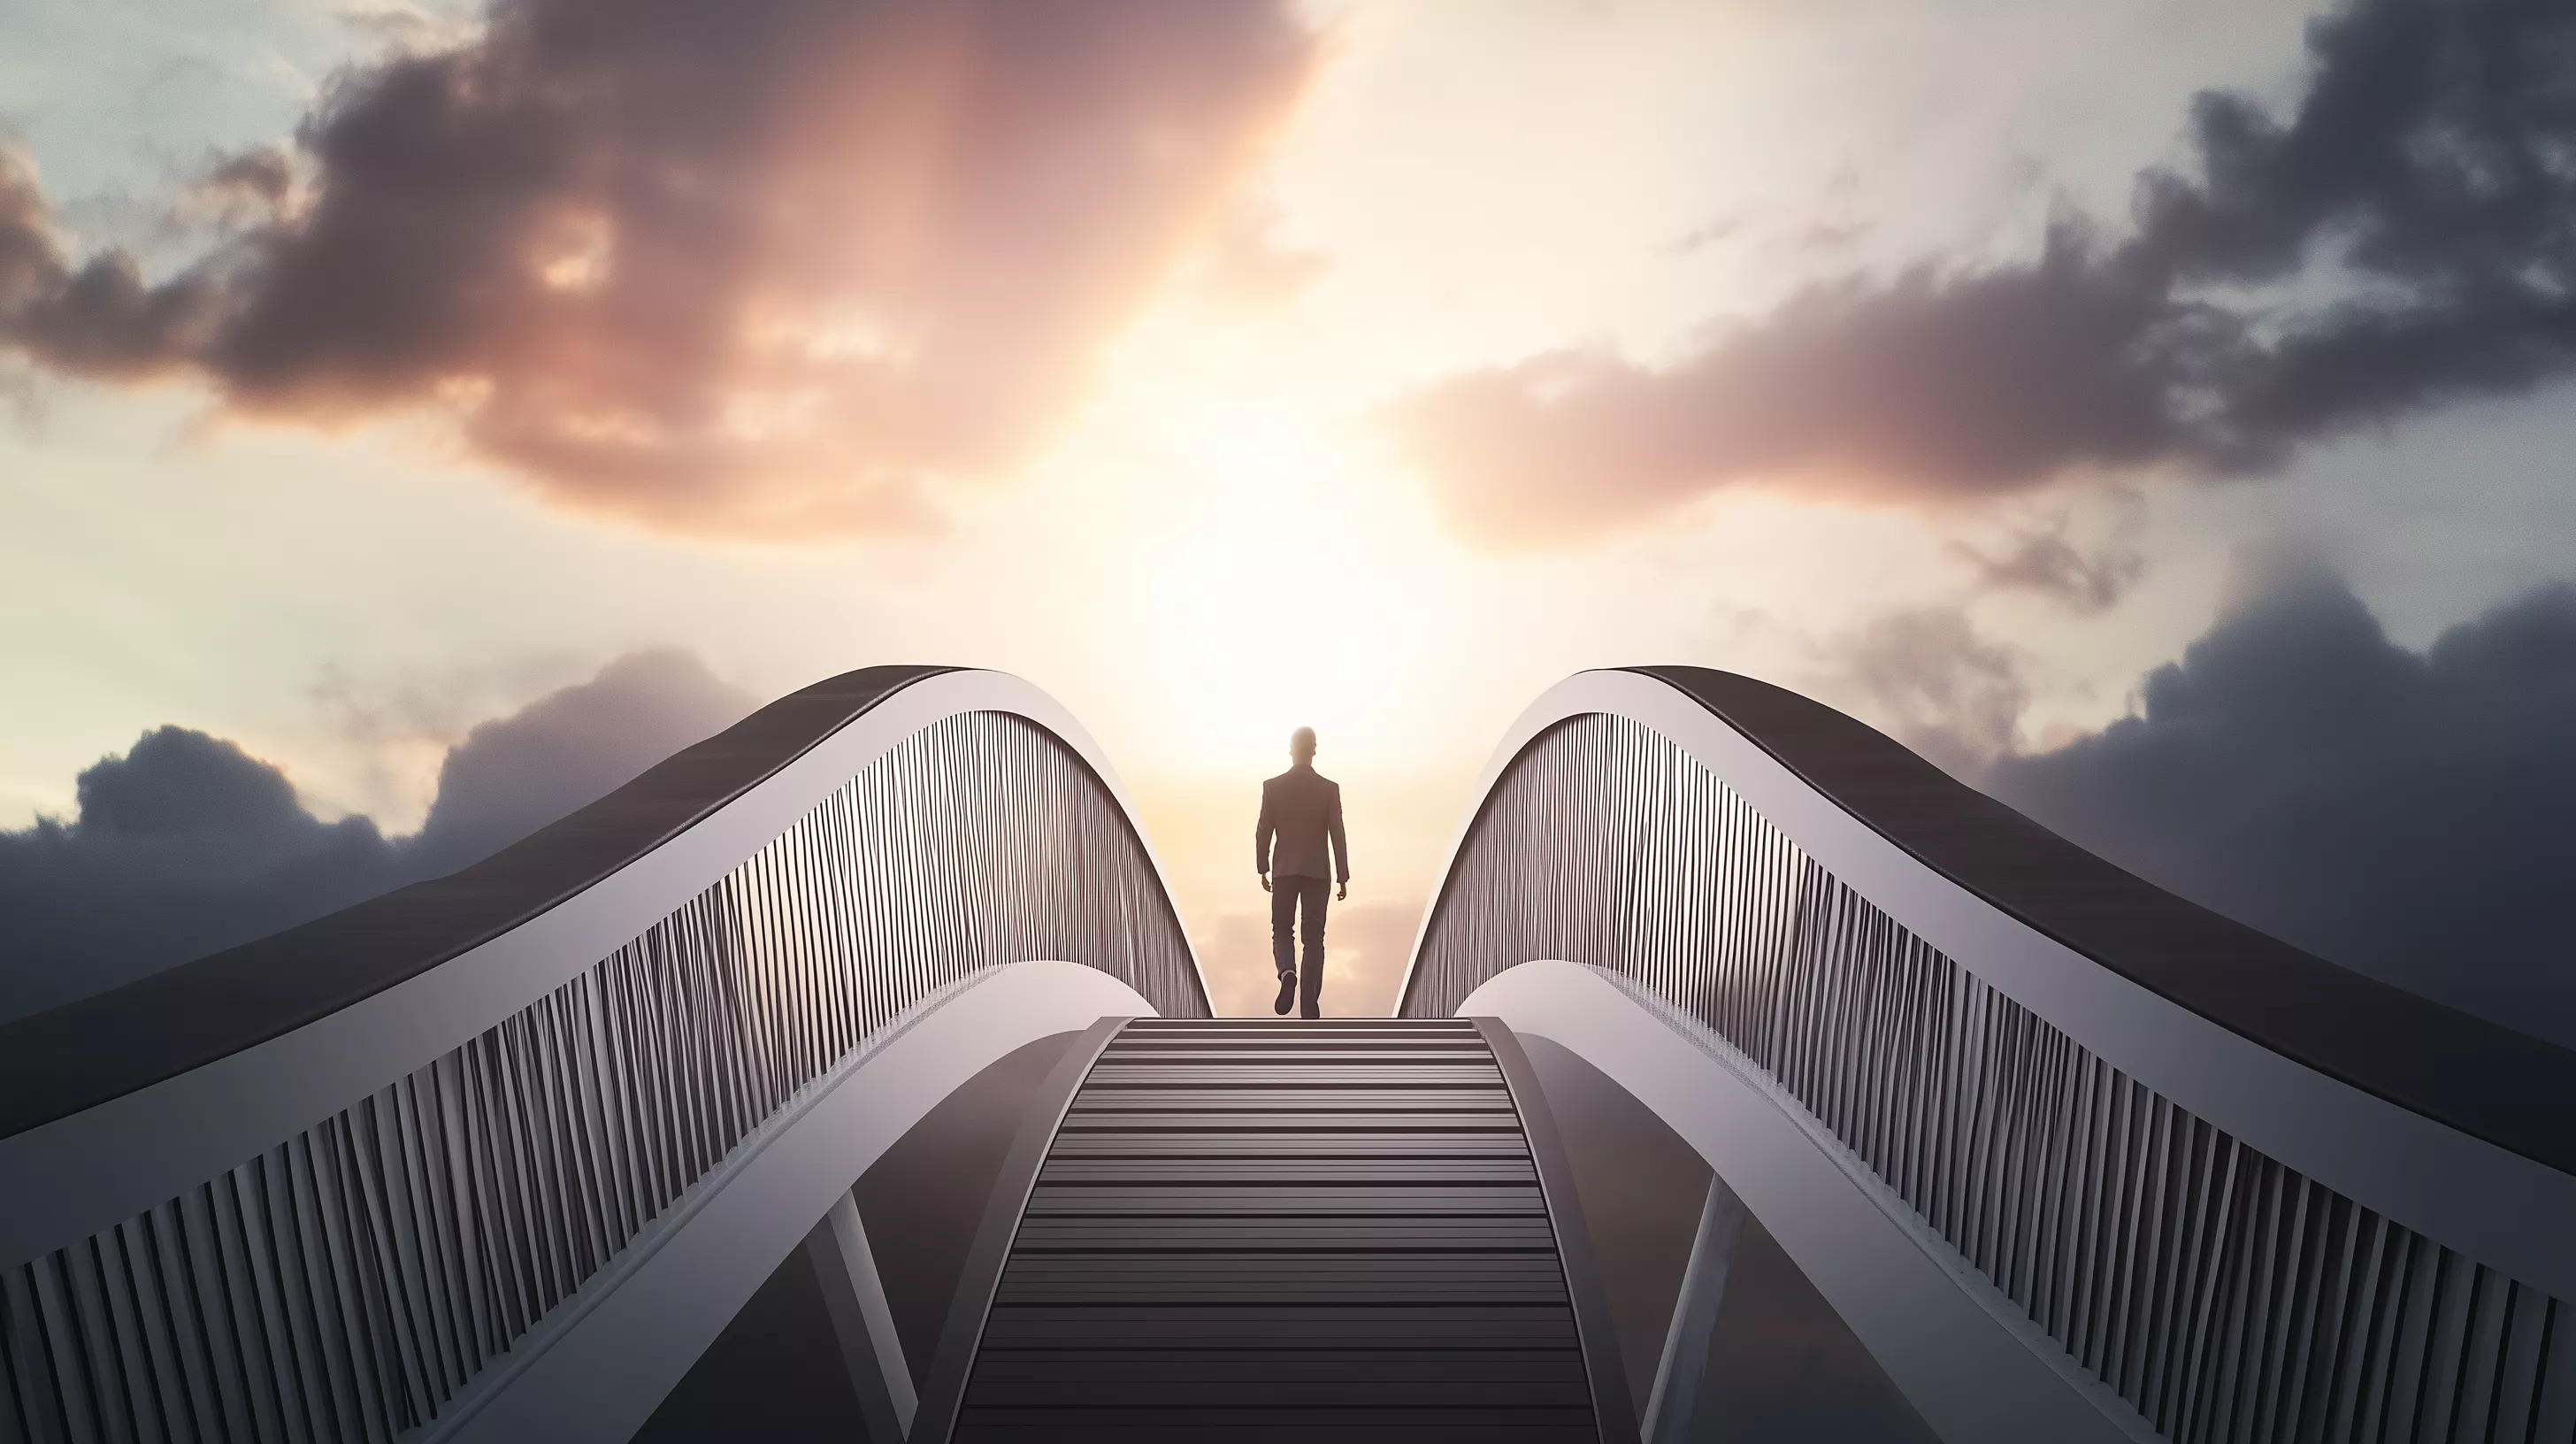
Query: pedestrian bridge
[849,1076]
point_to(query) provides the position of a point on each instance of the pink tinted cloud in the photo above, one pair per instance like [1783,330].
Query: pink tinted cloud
[770,266]
[2426,157]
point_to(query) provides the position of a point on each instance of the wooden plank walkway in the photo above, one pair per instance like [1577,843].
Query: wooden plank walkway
[1264,1231]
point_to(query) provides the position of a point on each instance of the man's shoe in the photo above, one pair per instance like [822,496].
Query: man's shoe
[1287,994]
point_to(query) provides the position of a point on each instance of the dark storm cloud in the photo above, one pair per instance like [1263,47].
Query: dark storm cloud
[515,774]
[186,844]
[2411,815]
[183,845]
[765,266]
[2426,180]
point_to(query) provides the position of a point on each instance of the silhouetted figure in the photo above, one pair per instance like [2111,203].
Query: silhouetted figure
[1302,809]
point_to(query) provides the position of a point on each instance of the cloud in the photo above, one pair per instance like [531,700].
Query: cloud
[2406,814]
[1927,676]
[2047,562]
[2425,186]
[1250,262]
[1706,235]
[186,844]
[515,774]
[770,266]
[97,319]
[182,846]
[1933,387]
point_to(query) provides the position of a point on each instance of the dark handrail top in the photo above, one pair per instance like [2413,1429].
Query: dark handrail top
[2506,1088]
[56,1063]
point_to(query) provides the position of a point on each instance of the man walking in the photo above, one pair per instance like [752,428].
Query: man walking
[1301,808]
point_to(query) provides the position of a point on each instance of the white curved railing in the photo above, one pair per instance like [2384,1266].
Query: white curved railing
[511,1128]
[2208,1189]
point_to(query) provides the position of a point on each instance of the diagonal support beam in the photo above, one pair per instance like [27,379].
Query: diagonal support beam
[1673,1407]
[862,1321]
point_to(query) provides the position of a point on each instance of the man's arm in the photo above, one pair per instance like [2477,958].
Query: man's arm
[1341,844]
[1262,831]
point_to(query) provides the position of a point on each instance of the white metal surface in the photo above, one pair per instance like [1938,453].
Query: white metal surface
[2469,1195]
[845,1266]
[598,1366]
[1969,1360]
[112,1161]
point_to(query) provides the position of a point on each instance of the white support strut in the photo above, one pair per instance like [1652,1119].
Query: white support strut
[862,1321]
[1968,1359]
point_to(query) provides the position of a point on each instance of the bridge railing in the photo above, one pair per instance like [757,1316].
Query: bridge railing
[311,1188]
[2254,1196]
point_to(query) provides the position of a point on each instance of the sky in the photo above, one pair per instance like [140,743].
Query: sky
[2153,410]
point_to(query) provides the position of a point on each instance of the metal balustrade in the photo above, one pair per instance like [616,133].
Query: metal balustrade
[349,1281]
[527,1076]
[2220,1293]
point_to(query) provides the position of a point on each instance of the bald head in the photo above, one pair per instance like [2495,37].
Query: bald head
[1301,745]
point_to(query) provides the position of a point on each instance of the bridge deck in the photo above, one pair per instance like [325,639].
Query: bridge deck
[1255,1231]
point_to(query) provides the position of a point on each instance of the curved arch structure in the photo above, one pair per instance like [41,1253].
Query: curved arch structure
[498,1154]
[2075,1159]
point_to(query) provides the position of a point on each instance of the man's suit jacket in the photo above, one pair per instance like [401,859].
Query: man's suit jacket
[1301,809]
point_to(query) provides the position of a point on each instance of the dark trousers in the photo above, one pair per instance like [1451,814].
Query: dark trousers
[1287,896]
